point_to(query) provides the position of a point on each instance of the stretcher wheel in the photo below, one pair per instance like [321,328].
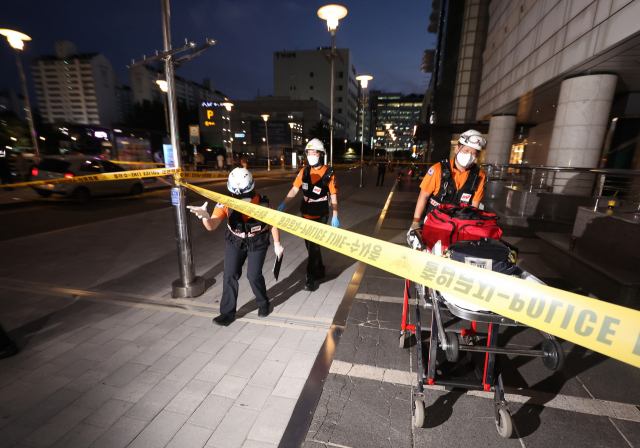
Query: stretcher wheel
[405,339]
[553,358]
[453,347]
[505,424]
[418,413]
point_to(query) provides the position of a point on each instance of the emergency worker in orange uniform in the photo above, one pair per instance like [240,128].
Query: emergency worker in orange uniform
[247,238]
[458,181]
[318,183]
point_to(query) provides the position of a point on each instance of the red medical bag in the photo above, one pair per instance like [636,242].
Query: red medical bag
[451,223]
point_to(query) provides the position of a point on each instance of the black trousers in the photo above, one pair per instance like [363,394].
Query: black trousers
[315,268]
[380,176]
[234,259]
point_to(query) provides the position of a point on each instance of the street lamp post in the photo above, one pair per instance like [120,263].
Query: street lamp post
[16,40]
[228,106]
[265,117]
[332,14]
[364,82]
[291,125]
[188,285]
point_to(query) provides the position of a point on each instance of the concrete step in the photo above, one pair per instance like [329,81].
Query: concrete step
[606,281]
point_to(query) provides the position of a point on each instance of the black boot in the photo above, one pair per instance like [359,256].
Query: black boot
[310,286]
[263,311]
[224,319]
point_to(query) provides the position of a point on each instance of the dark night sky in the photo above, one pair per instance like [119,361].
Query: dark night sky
[386,39]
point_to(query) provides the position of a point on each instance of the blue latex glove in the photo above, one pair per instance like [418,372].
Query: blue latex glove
[335,222]
[282,206]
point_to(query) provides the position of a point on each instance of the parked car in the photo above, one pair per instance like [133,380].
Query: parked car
[56,167]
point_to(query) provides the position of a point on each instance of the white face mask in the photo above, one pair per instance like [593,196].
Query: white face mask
[246,199]
[465,159]
[313,160]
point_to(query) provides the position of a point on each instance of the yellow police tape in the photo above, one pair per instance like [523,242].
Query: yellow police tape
[135,174]
[603,327]
[210,175]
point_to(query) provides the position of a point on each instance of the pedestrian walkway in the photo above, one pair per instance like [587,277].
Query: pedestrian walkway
[109,359]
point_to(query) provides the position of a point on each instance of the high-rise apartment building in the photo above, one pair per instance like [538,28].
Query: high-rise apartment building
[75,87]
[144,87]
[306,75]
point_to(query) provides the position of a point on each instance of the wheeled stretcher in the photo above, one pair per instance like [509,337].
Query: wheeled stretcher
[453,355]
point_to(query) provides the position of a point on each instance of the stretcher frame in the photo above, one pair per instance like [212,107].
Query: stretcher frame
[487,378]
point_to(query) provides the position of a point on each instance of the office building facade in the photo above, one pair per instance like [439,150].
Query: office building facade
[306,76]
[248,129]
[456,67]
[401,112]
[569,71]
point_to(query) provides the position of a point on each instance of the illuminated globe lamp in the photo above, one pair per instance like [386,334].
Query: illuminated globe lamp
[16,39]
[162,84]
[332,14]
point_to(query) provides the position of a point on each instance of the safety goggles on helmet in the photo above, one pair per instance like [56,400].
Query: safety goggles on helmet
[473,139]
[315,144]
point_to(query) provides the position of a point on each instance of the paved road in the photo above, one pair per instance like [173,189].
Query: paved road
[45,215]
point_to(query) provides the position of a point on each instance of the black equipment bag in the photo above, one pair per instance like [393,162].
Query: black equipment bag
[484,253]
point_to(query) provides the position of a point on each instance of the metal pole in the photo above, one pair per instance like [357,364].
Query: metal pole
[25,92]
[188,285]
[266,131]
[333,57]
[362,138]
[166,115]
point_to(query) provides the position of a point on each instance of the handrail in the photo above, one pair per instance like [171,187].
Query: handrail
[565,168]
[607,183]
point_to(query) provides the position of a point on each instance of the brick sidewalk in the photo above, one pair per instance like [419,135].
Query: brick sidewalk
[109,360]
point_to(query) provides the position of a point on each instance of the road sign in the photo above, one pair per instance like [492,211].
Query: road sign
[194,134]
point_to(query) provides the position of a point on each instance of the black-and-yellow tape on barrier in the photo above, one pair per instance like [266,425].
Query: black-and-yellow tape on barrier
[603,327]
[134,174]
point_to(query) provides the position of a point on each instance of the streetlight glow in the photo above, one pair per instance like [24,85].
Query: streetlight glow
[265,117]
[332,14]
[291,125]
[364,80]
[15,38]
[228,106]
[163,85]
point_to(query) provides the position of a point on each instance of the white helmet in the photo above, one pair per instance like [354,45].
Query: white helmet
[240,181]
[473,139]
[315,144]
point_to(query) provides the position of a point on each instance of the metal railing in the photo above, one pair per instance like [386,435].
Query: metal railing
[606,184]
